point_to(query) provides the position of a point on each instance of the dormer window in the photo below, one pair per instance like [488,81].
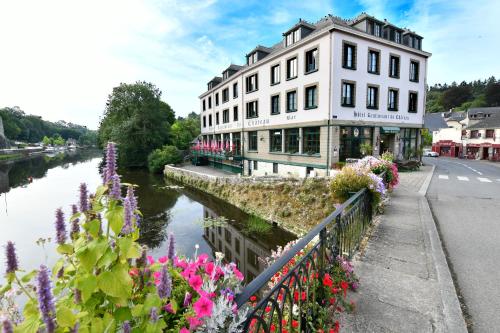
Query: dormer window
[225,75]
[292,37]
[252,58]
[397,37]
[377,30]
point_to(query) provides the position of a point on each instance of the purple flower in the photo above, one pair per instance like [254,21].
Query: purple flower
[133,202]
[165,286]
[354,285]
[128,224]
[45,299]
[153,314]
[111,156]
[75,227]
[142,260]
[187,299]
[171,246]
[115,191]
[60,227]
[77,296]
[126,327]
[84,203]
[10,252]
[7,326]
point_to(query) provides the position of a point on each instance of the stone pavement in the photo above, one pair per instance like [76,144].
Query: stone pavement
[406,285]
[206,170]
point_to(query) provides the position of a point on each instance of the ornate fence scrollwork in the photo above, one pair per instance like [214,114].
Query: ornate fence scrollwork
[339,233]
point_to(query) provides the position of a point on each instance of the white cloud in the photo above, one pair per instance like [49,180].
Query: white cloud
[60,59]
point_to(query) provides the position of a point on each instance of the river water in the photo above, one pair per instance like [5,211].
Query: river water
[27,210]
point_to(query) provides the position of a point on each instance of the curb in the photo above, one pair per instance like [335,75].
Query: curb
[452,313]
[423,189]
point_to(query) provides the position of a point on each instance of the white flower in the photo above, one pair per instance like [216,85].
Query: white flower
[295,310]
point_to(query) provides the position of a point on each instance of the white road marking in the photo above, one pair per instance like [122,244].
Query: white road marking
[463,178]
[443,176]
[484,180]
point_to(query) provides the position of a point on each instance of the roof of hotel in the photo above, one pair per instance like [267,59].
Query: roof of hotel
[321,25]
[434,121]
[487,123]
[487,110]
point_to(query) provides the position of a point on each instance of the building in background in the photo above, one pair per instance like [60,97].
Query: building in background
[472,134]
[323,94]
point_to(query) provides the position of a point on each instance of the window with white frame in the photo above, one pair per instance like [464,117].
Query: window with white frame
[291,68]
[372,97]
[392,103]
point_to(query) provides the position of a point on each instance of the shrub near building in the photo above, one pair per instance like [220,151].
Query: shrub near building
[163,156]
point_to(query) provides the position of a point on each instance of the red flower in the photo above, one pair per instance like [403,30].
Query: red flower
[344,285]
[327,280]
[332,300]
[295,324]
[268,308]
[253,298]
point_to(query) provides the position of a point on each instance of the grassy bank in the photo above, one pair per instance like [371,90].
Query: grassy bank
[10,157]
[296,205]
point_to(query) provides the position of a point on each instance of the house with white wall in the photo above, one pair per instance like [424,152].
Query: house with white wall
[314,98]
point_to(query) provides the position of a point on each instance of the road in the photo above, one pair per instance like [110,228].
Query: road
[465,199]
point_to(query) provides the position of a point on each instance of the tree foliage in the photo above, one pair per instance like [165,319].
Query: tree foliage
[163,156]
[30,128]
[185,130]
[460,97]
[137,120]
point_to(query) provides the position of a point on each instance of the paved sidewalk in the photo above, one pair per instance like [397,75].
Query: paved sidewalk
[406,285]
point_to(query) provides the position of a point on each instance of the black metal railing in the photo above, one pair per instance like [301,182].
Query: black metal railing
[339,233]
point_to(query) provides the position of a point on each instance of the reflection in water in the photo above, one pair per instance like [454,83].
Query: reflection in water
[236,247]
[165,209]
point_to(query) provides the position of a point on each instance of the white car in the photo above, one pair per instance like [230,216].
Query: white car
[430,153]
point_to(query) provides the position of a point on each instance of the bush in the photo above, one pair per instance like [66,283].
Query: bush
[163,156]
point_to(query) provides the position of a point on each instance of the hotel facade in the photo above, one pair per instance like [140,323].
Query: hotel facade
[320,96]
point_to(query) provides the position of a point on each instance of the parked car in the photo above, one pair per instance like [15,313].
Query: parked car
[430,153]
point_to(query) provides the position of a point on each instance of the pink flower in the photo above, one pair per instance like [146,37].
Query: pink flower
[151,260]
[202,258]
[238,274]
[203,307]
[162,260]
[180,263]
[195,282]
[184,330]
[209,268]
[194,322]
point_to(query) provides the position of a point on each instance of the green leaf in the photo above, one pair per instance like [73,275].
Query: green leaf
[29,325]
[137,310]
[107,259]
[122,314]
[65,249]
[5,289]
[65,317]
[93,227]
[89,254]
[97,326]
[87,284]
[75,216]
[115,218]
[128,248]
[116,282]
[27,277]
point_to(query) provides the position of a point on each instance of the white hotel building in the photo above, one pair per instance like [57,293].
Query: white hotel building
[301,106]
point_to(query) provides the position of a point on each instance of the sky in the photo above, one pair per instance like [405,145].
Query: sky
[60,59]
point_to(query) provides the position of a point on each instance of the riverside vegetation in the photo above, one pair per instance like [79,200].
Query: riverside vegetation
[298,205]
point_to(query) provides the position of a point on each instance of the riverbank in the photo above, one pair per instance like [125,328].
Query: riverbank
[294,204]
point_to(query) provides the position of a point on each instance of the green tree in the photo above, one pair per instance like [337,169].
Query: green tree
[46,141]
[426,137]
[88,139]
[492,93]
[185,130]
[161,157]
[57,140]
[456,96]
[137,120]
